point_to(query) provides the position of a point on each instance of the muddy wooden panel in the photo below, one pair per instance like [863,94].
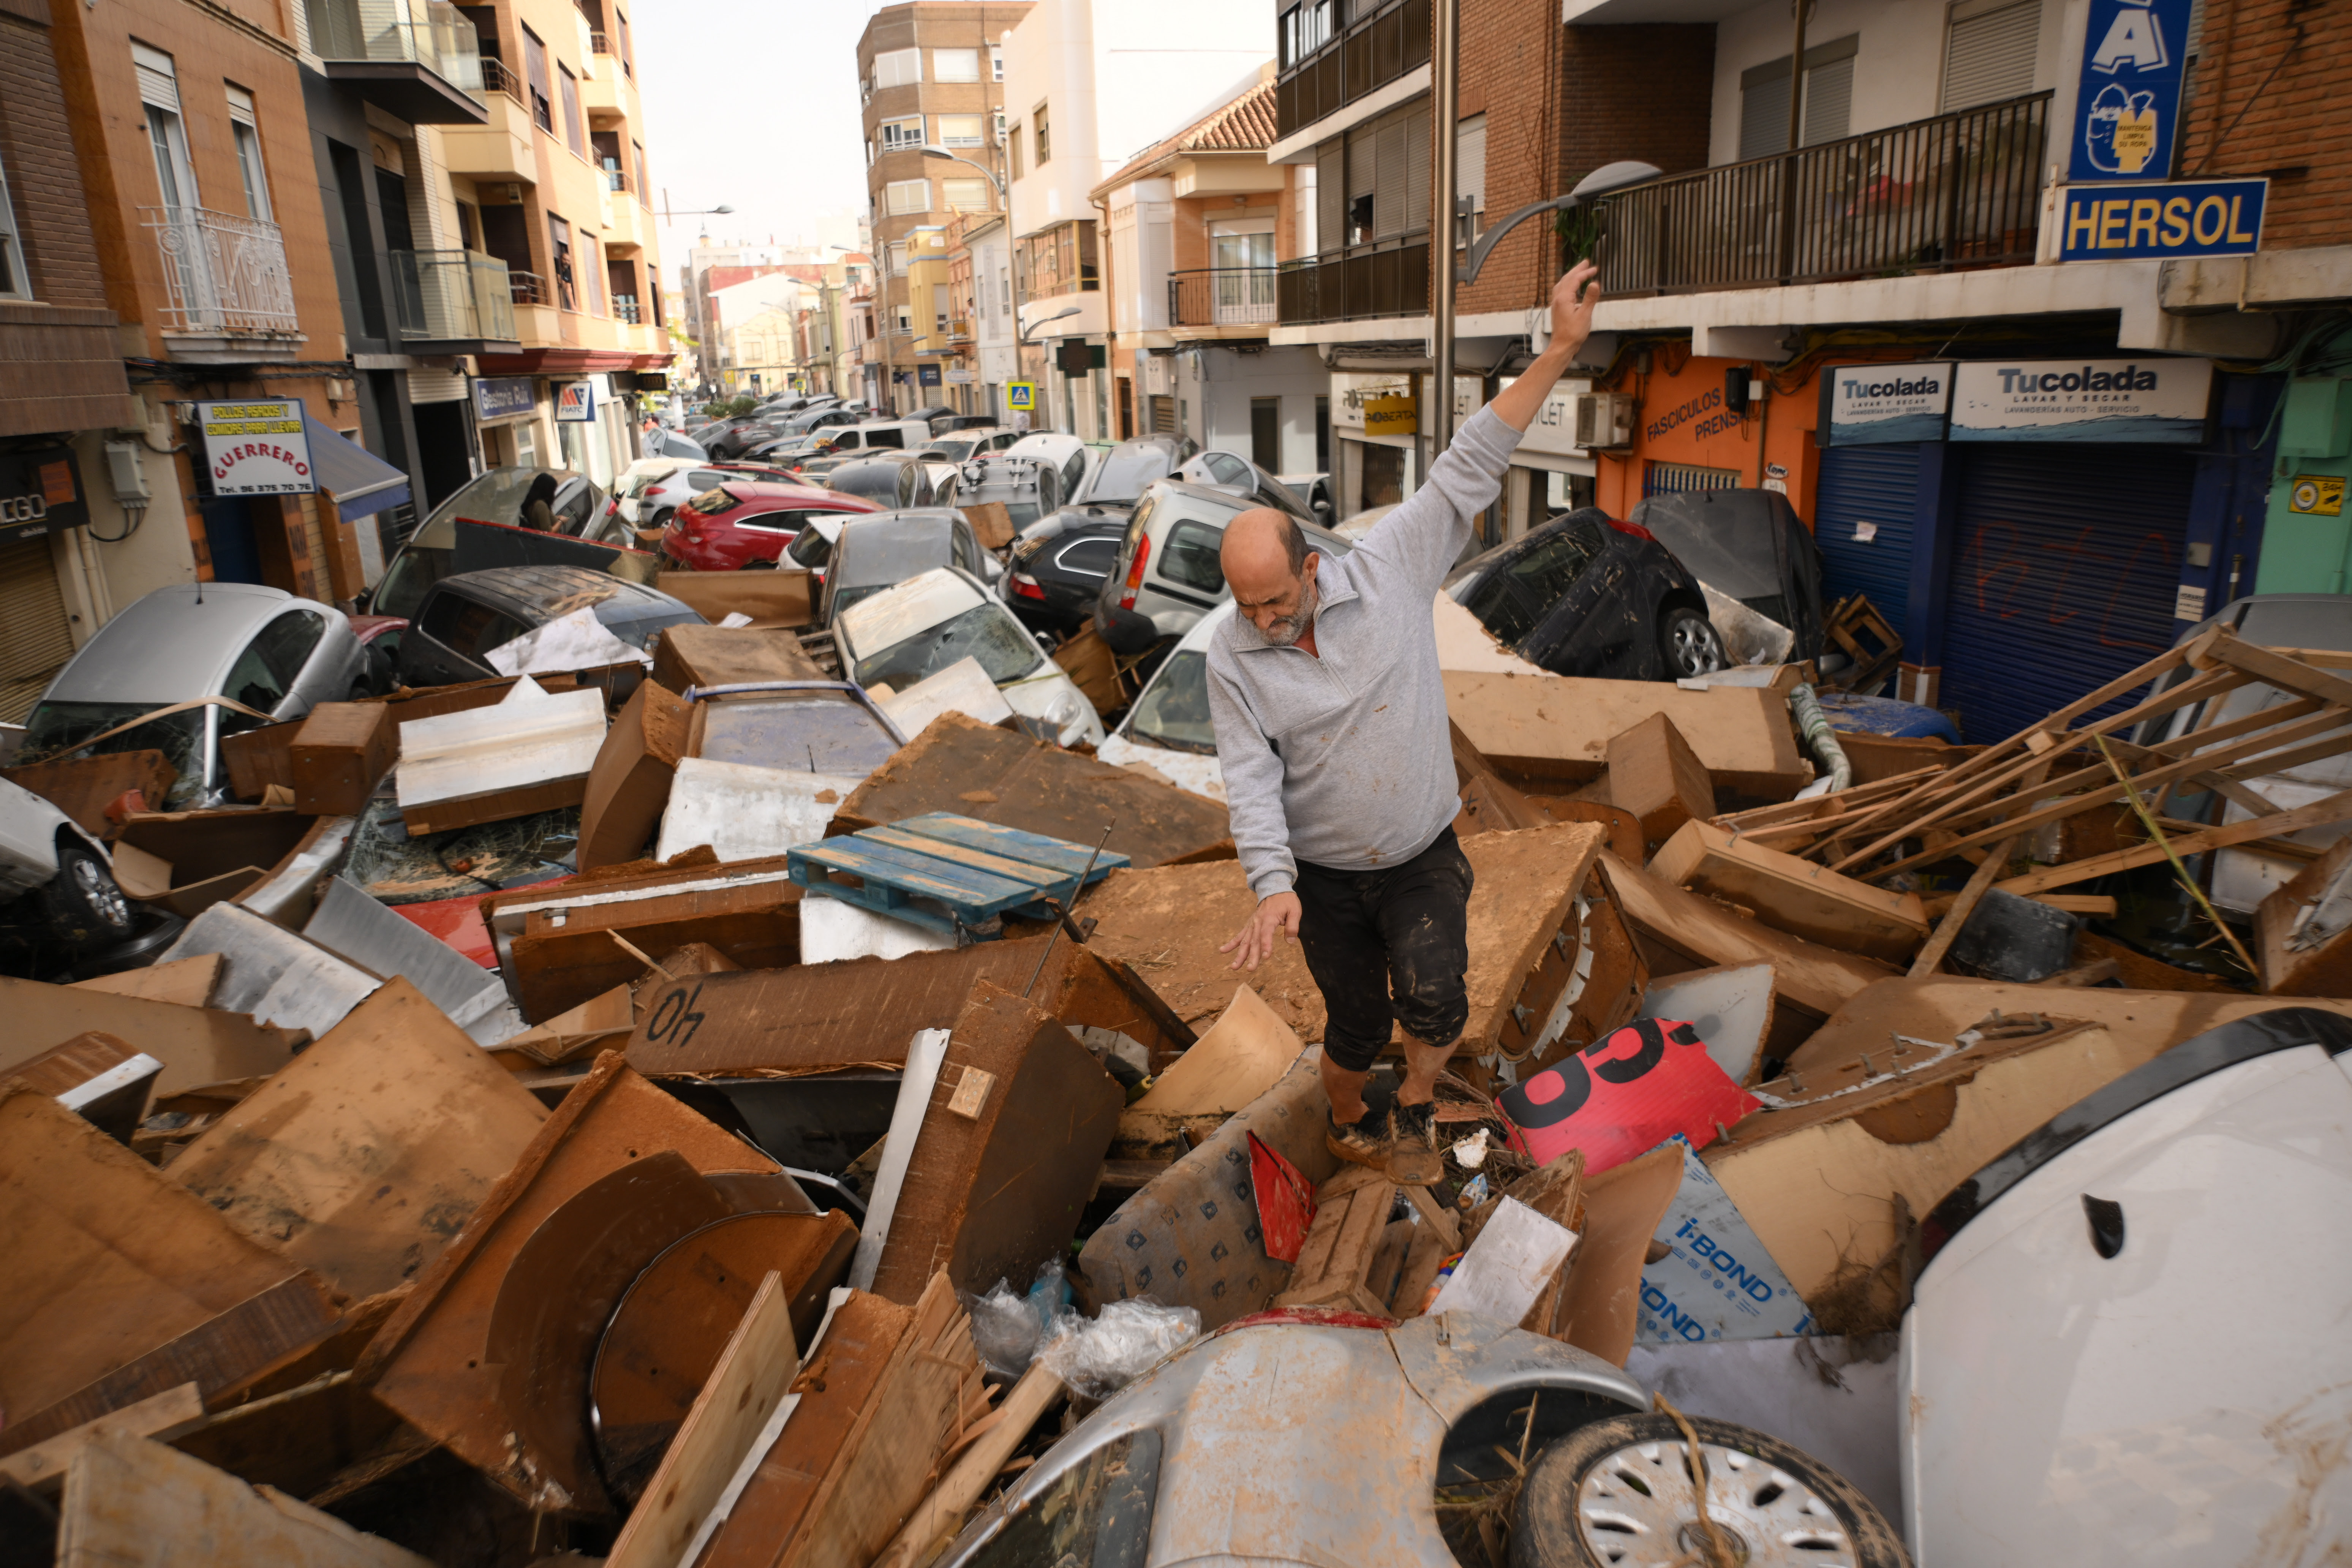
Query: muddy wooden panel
[994,1188]
[1598,1307]
[341,752]
[630,783]
[128,1500]
[2324,968]
[110,1260]
[42,1467]
[725,656]
[186,981]
[1335,1265]
[1654,774]
[1876,758]
[671,1327]
[83,787]
[558,967]
[1559,727]
[779,598]
[1489,802]
[818,1017]
[1792,895]
[961,765]
[202,843]
[365,1156]
[298,1440]
[256,759]
[1244,1055]
[195,1045]
[433,1360]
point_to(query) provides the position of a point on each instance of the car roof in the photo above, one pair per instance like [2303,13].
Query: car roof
[1053,443]
[173,644]
[775,490]
[880,535]
[896,613]
[1204,628]
[550,591]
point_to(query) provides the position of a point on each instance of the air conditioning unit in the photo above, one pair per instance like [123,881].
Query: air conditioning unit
[1604,419]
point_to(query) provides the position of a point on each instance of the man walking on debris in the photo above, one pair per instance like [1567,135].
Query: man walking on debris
[1331,731]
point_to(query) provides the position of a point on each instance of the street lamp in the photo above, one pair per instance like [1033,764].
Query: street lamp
[1042,321]
[669,216]
[937,152]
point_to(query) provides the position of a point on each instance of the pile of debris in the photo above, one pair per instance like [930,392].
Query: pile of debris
[793,1115]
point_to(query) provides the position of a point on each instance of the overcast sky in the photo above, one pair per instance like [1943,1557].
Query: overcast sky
[754,106]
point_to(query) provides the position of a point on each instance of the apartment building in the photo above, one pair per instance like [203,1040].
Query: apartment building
[556,183]
[932,77]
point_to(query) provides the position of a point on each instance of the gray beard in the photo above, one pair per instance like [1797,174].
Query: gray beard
[1287,630]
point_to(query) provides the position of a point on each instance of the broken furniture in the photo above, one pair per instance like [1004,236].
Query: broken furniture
[1792,896]
[1242,1057]
[530,752]
[1559,726]
[197,1045]
[97,1077]
[1654,774]
[952,873]
[83,787]
[688,656]
[1357,1259]
[339,754]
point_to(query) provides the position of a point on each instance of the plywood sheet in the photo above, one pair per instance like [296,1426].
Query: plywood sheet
[1561,727]
[186,981]
[366,1154]
[83,787]
[130,1501]
[195,1045]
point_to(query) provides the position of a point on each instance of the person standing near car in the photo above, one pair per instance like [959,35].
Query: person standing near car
[1331,731]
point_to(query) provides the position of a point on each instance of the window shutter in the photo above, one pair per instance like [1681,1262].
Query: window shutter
[1764,116]
[1829,102]
[158,83]
[1470,161]
[1331,194]
[1989,55]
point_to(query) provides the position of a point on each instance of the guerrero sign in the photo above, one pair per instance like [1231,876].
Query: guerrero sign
[1869,404]
[2072,400]
[2190,218]
[258,447]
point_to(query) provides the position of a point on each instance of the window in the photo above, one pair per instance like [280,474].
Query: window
[559,239]
[572,136]
[995,64]
[286,644]
[1304,29]
[902,321]
[899,68]
[592,274]
[1828,99]
[621,37]
[955,64]
[964,195]
[897,255]
[961,131]
[638,148]
[159,91]
[1190,558]
[1012,151]
[939,310]
[1045,139]
[903,197]
[247,138]
[16,282]
[534,70]
[1387,176]
[1005,282]
[1988,53]
[902,135]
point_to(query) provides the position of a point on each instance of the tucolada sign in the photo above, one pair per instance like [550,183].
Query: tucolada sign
[2156,400]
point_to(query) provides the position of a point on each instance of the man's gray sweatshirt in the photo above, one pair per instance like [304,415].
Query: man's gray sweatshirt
[1343,760]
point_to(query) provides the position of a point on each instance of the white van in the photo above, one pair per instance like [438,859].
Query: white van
[899,434]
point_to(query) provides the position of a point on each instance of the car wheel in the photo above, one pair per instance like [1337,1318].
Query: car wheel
[85,905]
[663,518]
[1620,1491]
[1689,642]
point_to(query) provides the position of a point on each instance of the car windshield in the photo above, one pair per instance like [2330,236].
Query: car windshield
[1124,474]
[57,729]
[985,632]
[496,497]
[952,450]
[397,868]
[1175,712]
[810,548]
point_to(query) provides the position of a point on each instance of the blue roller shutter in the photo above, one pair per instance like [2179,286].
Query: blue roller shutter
[1873,491]
[2064,577]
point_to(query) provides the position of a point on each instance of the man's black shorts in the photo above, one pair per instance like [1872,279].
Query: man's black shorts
[1388,946]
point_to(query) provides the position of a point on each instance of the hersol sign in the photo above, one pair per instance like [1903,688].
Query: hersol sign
[2077,400]
[259,446]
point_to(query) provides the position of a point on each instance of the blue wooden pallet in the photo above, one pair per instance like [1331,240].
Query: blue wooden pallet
[948,872]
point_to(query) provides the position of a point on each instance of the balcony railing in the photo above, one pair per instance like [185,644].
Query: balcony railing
[1380,43]
[452,296]
[528,288]
[1222,297]
[429,33]
[221,273]
[499,76]
[599,44]
[625,307]
[1957,190]
[1388,277]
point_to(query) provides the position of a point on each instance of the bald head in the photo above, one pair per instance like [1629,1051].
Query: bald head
[1270,573]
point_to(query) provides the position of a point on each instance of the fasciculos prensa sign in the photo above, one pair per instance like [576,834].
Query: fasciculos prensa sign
[2152,399]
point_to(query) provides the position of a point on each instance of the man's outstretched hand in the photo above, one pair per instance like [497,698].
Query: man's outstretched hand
[1275,914]
[1572,302]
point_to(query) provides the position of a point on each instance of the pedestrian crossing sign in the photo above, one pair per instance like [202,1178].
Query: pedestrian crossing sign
[1021,395]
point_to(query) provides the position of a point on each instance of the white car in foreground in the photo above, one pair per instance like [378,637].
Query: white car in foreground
[1168,729]
[912,632]
[42,849]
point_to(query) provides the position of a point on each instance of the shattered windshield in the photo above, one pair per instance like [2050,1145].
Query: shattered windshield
[985,632]
[1175,712]
[57,729]
[462,862]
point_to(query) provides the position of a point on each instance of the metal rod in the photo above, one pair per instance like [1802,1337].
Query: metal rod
[1065,914]
[1446,83]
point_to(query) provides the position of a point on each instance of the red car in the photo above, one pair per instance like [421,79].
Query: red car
[737,524]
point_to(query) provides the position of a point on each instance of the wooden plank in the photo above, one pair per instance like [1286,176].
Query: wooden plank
[967,891]
[1561,727]
[162,1416]
[2318,814]
[942,1513]
[195,1045]
[2275,669]
[1948,929]
[755,1371]
[1792,895]
[366,1154]
[130,1501]
[83,787]
[185,981]
[1027,848]
[1044,879]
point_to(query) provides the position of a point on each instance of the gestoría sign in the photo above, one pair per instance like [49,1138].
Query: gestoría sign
[40,492]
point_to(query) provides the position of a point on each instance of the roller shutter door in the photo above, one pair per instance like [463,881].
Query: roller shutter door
[2063,577]
[1862,514]
[35,636]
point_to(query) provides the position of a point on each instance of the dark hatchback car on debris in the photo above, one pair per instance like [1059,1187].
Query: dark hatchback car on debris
[1586,594]
[465,617]
[1749,545]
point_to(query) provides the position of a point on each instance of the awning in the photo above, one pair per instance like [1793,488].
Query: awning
[364,483]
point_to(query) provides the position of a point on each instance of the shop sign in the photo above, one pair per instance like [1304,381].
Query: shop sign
[503,397]
[1469,395]
[2127,99]
[1552,431]
[1353,392]
[959,376]
[257,446]
[575,403]
[2078,400]
[929,374]
[2181,220]
[1876,404]
[1391,417]
[40,492]
[2316,495]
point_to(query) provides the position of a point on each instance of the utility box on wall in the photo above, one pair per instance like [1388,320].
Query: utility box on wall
[2306,537]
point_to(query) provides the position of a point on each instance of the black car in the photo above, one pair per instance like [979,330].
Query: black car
[1749,545]
[463,618]
[882,550]
[892,480]
[1056,579]
[1586,594]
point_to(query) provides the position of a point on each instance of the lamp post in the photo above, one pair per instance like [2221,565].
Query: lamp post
[1069,397]
[1004,203]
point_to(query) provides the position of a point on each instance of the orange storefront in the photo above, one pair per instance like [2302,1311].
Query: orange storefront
[1692,431]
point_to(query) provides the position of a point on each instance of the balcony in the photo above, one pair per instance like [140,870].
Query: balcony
[454,301]
[419,59]
[230,298]
[1955,191]
[1386,278]
[1223,296]
[1323,70]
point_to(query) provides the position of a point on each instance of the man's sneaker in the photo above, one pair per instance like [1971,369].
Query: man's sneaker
[1361,1143]
[1414,1126]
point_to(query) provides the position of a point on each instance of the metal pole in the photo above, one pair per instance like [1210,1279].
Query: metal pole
[1445,97]
[1787,247]
[1797,83]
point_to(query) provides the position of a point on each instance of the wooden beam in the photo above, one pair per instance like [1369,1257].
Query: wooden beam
[2275,669]
[2335,808]
[1948,929]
